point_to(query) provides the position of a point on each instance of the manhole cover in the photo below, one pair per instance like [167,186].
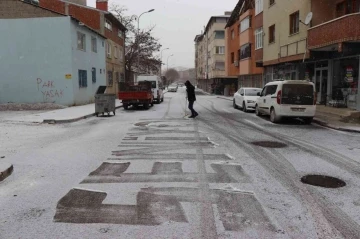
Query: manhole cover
[323,181]
[269,144]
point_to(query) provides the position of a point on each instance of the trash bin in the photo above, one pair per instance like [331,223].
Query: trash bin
[104,103]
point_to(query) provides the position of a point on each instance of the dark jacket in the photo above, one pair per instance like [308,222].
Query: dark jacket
[190,89]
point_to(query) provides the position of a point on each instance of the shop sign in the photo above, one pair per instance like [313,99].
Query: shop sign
[349,74]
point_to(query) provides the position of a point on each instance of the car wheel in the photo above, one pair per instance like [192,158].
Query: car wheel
[244,107]
[234,104]
[125,106]
[308,120]
[257,112]
[273,117]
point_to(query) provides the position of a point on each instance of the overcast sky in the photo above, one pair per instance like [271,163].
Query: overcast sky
[177,22]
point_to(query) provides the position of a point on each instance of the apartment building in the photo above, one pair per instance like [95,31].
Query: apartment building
[284,46]
[211,54]
[242,40]
[103,21]
[334,47]
[48,57]
[200,64]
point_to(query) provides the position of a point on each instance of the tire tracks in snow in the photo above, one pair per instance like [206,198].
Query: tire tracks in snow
[322,210]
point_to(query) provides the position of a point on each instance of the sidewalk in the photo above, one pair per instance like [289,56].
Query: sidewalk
[342,119]
[67,115]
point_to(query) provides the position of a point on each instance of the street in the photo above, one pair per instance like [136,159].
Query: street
[157,174]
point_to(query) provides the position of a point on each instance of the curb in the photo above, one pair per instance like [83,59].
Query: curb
[53,121]
[7,172]
[324,124]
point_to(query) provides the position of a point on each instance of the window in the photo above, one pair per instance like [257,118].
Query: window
[270,89]
[93,44]
[245,24]
[220,65]
[220,50]
[116,52]
[93,75]
[271,2]
[81,41]
[259,38]
[245,51]
[232,34]
[120,34]
[108,49]
[294,23]
[82,78]
[340,9]
[232,57]
[110,78]
[272,34]
[259,6]
[117,76]
[121,53]
[219,34]
[108,25]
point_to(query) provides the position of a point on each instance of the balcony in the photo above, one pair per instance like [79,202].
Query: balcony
[334,32]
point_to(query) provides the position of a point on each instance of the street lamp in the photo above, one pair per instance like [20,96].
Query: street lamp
[138,39]
[161,58]
[167,63]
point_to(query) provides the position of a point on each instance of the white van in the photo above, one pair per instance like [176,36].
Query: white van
[156,85]
[289,98]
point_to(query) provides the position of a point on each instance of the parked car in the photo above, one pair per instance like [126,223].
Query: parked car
[289,98]
[172,88]
[245,98]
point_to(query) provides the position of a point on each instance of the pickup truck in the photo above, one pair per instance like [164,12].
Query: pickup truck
[135,95]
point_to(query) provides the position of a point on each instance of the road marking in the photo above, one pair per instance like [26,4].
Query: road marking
[253,123]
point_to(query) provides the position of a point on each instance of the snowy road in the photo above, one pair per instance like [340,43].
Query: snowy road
[156,174]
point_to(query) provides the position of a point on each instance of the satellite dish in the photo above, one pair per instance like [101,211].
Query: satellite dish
[308,18]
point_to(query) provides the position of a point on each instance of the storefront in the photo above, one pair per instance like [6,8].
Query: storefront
[224,86]
[250,81]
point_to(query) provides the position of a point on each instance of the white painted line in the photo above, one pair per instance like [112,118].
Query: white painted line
[253,123]
[230,157]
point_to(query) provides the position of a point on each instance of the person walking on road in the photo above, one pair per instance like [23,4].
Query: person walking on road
[190,89]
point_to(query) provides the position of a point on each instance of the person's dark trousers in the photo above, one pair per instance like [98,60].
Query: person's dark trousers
[193,112]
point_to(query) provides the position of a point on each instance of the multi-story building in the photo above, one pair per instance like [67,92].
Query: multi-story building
[199,62]
[242,41]
[47,56]
[334,47]
[103,21]
[284,46]
[212,47]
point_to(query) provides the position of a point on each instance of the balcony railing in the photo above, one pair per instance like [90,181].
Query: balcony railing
[342,29]
[294,48]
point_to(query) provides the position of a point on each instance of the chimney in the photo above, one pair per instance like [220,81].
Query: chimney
[102,5]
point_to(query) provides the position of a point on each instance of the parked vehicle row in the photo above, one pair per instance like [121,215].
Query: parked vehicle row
[279,99]
[172,88]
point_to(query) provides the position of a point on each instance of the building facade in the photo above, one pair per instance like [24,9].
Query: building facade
[242,41]
[334,47]
[61,61]
[211,75]
[101,20]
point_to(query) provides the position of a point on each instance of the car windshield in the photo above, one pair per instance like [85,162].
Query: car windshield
[252,92]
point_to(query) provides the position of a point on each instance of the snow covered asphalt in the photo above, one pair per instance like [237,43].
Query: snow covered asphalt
[156,174]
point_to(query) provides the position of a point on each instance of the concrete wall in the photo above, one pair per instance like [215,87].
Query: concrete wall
[35,56]
[279,14]
[86,60]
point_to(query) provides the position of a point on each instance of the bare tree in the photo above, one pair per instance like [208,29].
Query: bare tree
[172,75]
[140,44]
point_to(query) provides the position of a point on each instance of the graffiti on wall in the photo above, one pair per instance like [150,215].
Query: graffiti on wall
[49,89]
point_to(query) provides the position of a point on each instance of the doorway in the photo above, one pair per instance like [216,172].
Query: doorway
[321,85]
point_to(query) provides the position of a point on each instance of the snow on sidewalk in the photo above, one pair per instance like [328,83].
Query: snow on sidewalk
[67,114]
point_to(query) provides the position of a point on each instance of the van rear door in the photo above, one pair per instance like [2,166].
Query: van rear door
[297,94]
